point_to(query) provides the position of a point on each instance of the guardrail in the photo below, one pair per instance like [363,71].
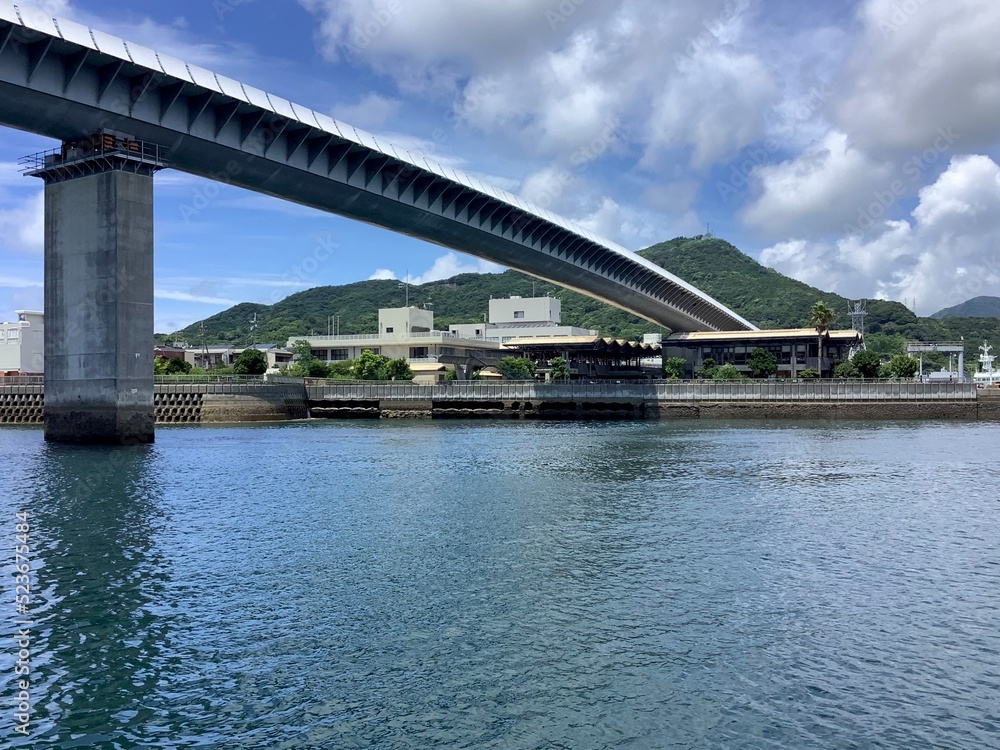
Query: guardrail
[14,380]
[709,391]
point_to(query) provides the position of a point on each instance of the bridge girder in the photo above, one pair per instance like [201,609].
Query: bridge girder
[64,81]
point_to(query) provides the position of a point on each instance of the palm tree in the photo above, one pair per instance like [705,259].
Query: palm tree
[820,318]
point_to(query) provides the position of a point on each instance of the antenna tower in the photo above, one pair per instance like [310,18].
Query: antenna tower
[858,312]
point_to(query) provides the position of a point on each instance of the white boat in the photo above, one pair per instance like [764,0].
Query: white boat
[986,376]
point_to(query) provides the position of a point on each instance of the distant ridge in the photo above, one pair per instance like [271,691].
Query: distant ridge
[761,295]
[977,307]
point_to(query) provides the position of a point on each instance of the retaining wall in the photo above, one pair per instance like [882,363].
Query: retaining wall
[22,401]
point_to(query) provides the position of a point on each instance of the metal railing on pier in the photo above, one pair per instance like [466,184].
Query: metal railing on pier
[683,391]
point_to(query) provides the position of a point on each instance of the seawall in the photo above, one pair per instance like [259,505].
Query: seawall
[235,400]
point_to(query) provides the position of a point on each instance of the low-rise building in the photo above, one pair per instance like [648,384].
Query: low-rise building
[405,333]
[521,317]
[796,349]
[216,357]
[22,344]
[591,357]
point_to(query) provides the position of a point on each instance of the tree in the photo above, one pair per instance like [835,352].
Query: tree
[302,349]
[810,373]
[708,369]
[846,371]
[903,367]
[369,366]
[673,368]
[178,366]
[160,365]
[762,363]
[516,368]
[341,370]
[397,369]
[820,318]
[560,369]
[728,372]
[250,362]
[867,363]
[372,366]
[312,368]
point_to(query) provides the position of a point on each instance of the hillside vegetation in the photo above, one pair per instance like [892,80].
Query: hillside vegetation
[761,295]
[977,307]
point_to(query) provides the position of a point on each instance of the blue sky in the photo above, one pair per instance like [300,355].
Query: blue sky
[850,144]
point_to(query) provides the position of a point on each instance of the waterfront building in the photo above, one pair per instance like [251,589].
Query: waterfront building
[591,357]
[408,333]
[215,357]
[519,318]
[22,344]
[796,349]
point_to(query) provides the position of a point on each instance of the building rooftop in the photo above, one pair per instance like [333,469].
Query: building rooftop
[776,333]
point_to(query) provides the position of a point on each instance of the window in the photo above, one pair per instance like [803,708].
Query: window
[339,355]
[388,329]
[418,352]
[448,350]
[12,333]
[518,314]
[372,349]
[319,353]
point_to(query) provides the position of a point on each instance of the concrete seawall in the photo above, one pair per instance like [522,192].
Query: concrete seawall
[22,401]
[181,403]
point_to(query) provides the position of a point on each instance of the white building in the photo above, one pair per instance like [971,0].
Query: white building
[521,318]
[407,333]
[22,344]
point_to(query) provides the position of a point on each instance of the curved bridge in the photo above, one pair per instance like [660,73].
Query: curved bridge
[62,80]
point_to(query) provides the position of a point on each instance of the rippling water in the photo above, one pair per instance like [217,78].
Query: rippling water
[511,585]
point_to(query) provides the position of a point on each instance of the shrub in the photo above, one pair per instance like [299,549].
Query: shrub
[673,368]
[728,372]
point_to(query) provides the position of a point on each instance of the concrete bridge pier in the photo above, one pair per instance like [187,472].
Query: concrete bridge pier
[99,290]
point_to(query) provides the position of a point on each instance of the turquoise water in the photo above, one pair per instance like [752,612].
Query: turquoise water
[510,585]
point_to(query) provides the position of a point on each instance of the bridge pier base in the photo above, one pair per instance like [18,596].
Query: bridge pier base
[98,297]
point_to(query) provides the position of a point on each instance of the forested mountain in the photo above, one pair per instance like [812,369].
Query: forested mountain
[977,307]
[761,295]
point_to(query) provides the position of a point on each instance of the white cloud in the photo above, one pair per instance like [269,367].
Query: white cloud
[187,297]
[17,282]
[947,254]
[22,226]
[716,104]
[451,264]
[920,66]
[819,191]
[372,112]
[382,274]
[554,83]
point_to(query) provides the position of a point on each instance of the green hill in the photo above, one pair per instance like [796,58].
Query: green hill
[761,295]
[977,307]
